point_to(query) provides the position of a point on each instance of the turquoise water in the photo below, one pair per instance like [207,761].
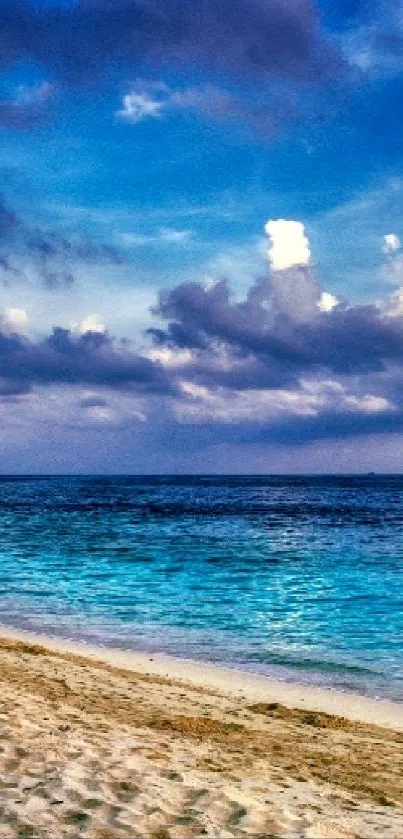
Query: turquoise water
[299,578]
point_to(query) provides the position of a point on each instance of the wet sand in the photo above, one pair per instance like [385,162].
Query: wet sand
[97,743]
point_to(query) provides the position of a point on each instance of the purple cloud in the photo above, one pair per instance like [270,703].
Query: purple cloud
[65,358]
[272,366]
[281,37]
[345,341]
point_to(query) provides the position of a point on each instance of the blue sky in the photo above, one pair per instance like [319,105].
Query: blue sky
[143,149]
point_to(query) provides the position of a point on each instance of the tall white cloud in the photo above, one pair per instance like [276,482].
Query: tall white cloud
[288,244]
[294,288]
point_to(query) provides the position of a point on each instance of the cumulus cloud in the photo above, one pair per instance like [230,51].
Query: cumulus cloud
[289,245]
[91,358]
[344,340]
[288,360]
[294,288]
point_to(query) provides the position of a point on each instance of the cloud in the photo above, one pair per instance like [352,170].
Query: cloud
[153,100]
[287,362]
[14,321]
[344,340]
[163,236]
[374,46]
[289,246]
[51,255]
[310,400]
[392,247]
[395,303]
[137,106]
[91,358]
[92,323]
[391,243]
[244,37]
[327,301]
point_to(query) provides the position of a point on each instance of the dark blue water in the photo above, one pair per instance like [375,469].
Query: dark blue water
[296,577]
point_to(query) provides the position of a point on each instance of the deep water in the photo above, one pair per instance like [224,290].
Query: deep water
[297,577]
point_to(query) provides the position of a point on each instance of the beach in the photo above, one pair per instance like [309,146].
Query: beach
[102,743]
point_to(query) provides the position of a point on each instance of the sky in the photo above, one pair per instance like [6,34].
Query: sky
[201,236]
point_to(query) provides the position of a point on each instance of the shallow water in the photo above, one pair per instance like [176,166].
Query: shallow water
[296,577]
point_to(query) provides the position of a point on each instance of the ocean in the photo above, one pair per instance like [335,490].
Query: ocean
[295,577]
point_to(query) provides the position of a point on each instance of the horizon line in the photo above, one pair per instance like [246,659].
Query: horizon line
[368,473]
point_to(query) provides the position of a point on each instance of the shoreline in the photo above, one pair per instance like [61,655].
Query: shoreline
[102,743]
[233,682]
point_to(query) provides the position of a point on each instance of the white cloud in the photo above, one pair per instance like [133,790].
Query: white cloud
[14,320]
[139,106]
[369,403]
[391,243]
[333,395]
[289,246]
[327,301]
[148,99]
[203,404]
[170,358]
[92,323]
[223,405]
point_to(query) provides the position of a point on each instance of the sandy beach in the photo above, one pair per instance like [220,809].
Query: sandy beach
[101,743]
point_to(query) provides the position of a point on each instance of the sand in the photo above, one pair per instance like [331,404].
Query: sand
[100,743]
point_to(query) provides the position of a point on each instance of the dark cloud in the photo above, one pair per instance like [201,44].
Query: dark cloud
[257,370]
[65,358]
[285,430]
[265,341]
[245,36]
[340,372]
[52,255]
